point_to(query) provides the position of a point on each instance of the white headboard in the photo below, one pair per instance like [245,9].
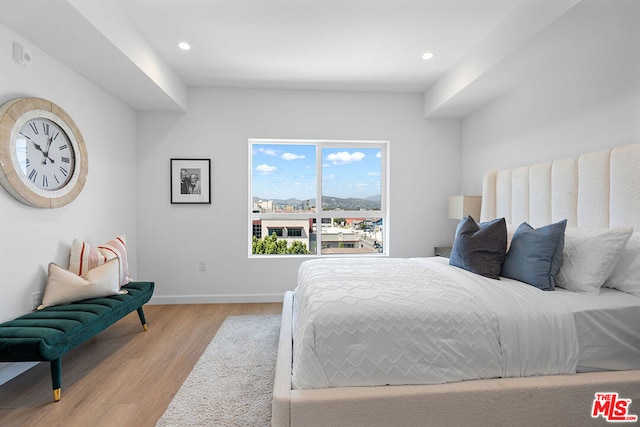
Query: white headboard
[594,190]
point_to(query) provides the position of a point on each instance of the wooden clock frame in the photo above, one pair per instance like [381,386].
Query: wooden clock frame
[13,114]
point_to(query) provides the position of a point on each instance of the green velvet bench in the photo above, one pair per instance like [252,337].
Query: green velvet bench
[47,334]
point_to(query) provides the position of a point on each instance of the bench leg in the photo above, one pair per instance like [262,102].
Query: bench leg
[56,365]
[56,378]
[142,319]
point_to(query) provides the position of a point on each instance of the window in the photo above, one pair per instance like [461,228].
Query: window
[317,197]
[257,229]
[275,230]
[294,232]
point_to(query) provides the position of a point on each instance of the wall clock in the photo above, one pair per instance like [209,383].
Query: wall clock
[42,154]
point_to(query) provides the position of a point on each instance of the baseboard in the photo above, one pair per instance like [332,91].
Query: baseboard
[9,371]
[215,299]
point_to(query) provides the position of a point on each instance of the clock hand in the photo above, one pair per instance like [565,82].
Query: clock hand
[46,153]
[38,147]
[46,156]
[48,144]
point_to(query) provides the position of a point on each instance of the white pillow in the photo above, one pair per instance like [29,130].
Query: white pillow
[589,256]
[511,230]
[64,286]
[626,273]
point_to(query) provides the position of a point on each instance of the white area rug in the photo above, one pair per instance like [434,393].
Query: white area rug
[232,382]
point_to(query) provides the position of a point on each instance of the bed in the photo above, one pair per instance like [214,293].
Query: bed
[348,357]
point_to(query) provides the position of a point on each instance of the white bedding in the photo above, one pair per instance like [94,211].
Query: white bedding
[374,321]
[608,328]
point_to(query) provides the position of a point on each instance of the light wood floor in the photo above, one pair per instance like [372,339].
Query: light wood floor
[122,376]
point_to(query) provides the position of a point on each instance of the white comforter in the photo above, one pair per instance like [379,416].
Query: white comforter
[379,321]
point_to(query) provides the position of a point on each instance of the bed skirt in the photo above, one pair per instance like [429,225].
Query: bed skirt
[536,401]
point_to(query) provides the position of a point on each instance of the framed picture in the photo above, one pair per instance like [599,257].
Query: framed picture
[190,180]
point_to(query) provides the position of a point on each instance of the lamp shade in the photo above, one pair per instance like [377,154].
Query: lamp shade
[462,206]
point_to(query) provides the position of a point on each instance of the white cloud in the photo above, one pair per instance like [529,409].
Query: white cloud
[291,156]
[374,174]
[345,158]
[379,155]
[268,151]
[265,169]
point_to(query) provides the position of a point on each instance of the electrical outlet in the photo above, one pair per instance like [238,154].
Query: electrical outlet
[203,265]
[36,298]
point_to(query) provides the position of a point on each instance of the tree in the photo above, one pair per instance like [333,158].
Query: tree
[271,245]
[297,247]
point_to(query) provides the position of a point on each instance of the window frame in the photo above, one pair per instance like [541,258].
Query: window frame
[320,215]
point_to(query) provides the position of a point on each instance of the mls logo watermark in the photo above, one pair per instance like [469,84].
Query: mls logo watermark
[612,408]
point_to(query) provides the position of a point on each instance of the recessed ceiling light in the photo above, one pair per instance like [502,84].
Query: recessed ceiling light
[184,45]
[427,55]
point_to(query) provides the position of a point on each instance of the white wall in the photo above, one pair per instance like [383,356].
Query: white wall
[584,96]
[31,238]
[172,239]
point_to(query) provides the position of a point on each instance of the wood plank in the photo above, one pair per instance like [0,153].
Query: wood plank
[122,376]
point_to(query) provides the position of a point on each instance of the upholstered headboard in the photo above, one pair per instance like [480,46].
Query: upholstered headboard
[600,189]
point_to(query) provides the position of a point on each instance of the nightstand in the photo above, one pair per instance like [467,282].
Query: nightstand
[444,251]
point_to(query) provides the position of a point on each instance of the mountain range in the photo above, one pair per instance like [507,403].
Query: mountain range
[330,203]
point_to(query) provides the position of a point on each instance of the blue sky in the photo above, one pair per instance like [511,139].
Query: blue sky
[289,171]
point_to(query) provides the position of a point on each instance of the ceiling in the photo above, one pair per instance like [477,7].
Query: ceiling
[312,44]
[129,47]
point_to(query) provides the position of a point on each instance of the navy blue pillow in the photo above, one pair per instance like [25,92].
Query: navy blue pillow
[480,248]
[535,255]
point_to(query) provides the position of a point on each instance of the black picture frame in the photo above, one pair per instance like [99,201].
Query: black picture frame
[190,181]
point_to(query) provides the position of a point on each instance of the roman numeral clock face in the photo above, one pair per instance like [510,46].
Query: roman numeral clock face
[43,157]
[45,154]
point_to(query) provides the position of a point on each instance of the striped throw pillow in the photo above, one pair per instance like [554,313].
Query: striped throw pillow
[85,257]
[117,248]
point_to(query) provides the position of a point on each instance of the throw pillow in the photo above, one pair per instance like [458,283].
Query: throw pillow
[589,256]
[626,273]
[535,255]
[84,257]
[480,248]
[117,248]
[64,287]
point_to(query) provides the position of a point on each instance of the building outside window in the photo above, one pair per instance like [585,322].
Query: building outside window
[297,184]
